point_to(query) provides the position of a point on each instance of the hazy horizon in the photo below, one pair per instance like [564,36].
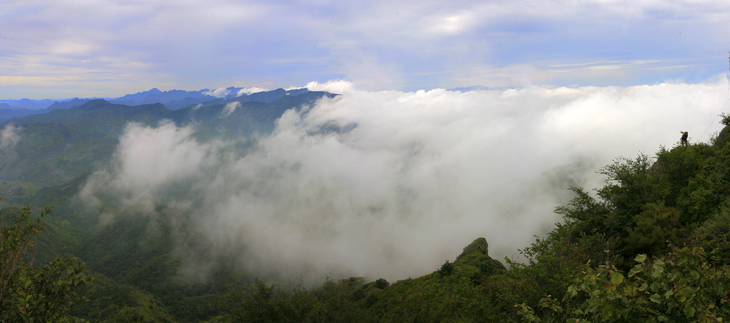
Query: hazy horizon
[110,48]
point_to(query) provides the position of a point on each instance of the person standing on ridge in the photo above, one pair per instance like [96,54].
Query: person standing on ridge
[683,140]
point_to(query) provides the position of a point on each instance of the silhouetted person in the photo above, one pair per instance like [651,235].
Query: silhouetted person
[683,140]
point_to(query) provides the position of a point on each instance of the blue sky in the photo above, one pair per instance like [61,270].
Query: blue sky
[61,49]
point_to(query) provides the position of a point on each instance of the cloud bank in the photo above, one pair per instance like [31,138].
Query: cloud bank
[411,179]
[333,86]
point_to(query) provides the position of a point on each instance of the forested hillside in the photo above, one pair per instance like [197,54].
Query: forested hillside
[651,245]
[48,160]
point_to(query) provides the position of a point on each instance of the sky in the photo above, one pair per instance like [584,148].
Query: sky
[95,48]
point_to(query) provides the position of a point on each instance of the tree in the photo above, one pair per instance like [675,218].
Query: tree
[30,294]
[628,188]
[656,225]
[680,287]
[446,269]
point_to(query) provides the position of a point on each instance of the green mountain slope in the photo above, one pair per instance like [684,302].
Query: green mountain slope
[50,162]
[61,145]
[55,153]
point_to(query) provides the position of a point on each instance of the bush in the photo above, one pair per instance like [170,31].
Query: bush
[331,302]
[714,237]
[656,225]
[381,283]
[680,287]
[446,269]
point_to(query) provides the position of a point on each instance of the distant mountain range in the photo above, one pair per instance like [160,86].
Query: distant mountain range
[173,99]
[26,104]
[64,143]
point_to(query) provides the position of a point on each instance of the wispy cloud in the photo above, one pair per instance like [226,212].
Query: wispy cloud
[230,108]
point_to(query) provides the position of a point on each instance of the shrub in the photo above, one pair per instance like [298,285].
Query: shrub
[446,269]
[381,283]
[714,237]
[656,225]
[680,287]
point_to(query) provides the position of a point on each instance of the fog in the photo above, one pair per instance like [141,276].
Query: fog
[9,137]
[408,180]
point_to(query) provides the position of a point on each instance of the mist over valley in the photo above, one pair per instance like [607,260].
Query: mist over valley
[333,161]
[358,183]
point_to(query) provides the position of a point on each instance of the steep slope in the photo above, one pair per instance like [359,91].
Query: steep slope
[434,297]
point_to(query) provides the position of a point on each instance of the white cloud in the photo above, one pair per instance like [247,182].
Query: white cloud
[218,93]
[9,137]
[146,161]
[250,90]
[334,86]
[417,177]
[230,108]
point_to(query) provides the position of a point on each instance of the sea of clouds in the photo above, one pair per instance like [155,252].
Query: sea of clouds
[409,179]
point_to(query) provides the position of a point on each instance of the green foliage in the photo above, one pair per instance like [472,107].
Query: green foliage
[430,298]
[693,179]
[656,225]
[628,188]
[725,119]
[479,245]
[130,253]
[586,214]
[720,139]
[381,283]
[680,287]
[114,302]
[54,153]
[697,201]
[714,237]
[552,264]
[446,269]
[261,302]
[26,294]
